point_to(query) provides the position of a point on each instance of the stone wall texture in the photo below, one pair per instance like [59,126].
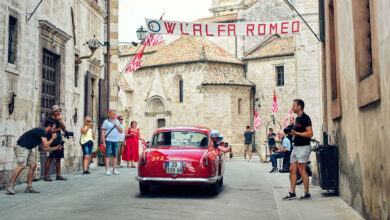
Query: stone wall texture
[362,133]
[52,21]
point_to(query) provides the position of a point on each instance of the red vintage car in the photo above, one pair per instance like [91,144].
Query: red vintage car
[181,155]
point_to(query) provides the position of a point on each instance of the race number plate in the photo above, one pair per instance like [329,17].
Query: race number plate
[174,167]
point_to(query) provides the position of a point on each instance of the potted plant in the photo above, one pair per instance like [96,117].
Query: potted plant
[100,152]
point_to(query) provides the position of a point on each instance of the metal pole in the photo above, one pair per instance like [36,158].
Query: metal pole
[293,8]
[31,14]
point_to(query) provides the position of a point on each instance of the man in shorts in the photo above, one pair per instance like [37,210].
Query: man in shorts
[57,155]
[300,154]
[248,134]
[111,136]
[25,156]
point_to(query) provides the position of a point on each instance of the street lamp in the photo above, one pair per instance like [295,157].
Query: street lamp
[141,35]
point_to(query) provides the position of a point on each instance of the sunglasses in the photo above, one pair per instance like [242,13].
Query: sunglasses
[89,121]
[121,119]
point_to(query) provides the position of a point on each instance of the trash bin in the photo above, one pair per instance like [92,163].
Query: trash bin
[328,167]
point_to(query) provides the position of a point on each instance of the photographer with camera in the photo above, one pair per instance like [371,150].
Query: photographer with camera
[58,142]
[25,156]
[302,133]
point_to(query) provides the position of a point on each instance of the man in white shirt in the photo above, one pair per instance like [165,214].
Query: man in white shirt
[111,136]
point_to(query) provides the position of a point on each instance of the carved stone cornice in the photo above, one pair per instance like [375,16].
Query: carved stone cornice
[50,31]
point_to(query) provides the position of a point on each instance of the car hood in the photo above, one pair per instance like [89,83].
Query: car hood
[178,153]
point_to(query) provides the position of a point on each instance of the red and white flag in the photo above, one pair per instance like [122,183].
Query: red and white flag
[275,105]
[135,63]
[257,121]
[153,40]
[285,122]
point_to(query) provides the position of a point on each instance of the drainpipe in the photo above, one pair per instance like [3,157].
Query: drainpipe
[108,55]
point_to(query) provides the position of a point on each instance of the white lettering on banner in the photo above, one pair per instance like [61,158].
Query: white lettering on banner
[222,29]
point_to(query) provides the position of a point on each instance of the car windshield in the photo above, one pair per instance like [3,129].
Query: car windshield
[180,139]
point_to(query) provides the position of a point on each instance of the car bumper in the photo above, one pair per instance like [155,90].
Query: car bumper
[210,180]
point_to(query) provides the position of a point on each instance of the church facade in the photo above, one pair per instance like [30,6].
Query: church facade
[190,81]
[288,65]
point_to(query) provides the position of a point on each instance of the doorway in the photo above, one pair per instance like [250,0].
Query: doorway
[160,122]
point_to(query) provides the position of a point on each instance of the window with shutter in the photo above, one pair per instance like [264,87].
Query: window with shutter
[366,51]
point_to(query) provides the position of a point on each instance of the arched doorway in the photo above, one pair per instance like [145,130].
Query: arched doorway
[156,114]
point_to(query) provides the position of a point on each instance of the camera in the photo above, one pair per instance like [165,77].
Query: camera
[68,134]
[287,130]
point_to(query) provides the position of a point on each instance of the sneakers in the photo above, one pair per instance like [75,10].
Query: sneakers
[108,173]
[87,172]
[48,179]
[30,189]
[290,196]
[116,172]
[305,196]
[274,169]
[10,189]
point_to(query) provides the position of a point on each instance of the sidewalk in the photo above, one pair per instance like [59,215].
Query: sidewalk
[323,205]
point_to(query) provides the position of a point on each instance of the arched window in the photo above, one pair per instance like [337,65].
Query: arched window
[239,106]
[181,90]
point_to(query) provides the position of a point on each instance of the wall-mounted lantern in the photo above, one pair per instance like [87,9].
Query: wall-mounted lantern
[93,45]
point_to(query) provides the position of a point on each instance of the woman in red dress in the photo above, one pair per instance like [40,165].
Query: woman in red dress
[130,153]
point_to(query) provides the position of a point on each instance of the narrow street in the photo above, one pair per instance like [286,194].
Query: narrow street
[249,192]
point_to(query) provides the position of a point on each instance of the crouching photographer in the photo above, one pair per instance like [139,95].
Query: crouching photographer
[57,143]
[25,156]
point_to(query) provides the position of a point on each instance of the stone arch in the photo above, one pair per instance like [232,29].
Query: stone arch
[157,105]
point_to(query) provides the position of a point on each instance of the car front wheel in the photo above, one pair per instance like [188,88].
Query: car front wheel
[144,188]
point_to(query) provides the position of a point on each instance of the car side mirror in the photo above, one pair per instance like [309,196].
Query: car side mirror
[148,144]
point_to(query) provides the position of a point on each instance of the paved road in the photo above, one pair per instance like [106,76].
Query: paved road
[249,192]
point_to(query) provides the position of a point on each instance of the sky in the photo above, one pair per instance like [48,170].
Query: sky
[132,13]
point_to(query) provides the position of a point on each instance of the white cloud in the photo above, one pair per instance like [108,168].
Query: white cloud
[132,13]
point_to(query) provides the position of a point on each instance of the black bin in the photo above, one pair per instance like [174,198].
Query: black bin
[328,167]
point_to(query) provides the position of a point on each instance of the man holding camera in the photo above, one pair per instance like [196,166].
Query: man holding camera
[25,156]
[300,154]
[56,154]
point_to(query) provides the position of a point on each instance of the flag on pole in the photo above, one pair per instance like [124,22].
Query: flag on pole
[135,63]
[154,39]
[275,105]
[285,122]
[151,40]
[257,121]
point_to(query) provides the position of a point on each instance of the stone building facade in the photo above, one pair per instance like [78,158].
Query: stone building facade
[357,105]
[299,55]
[38,66]
[190,81]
